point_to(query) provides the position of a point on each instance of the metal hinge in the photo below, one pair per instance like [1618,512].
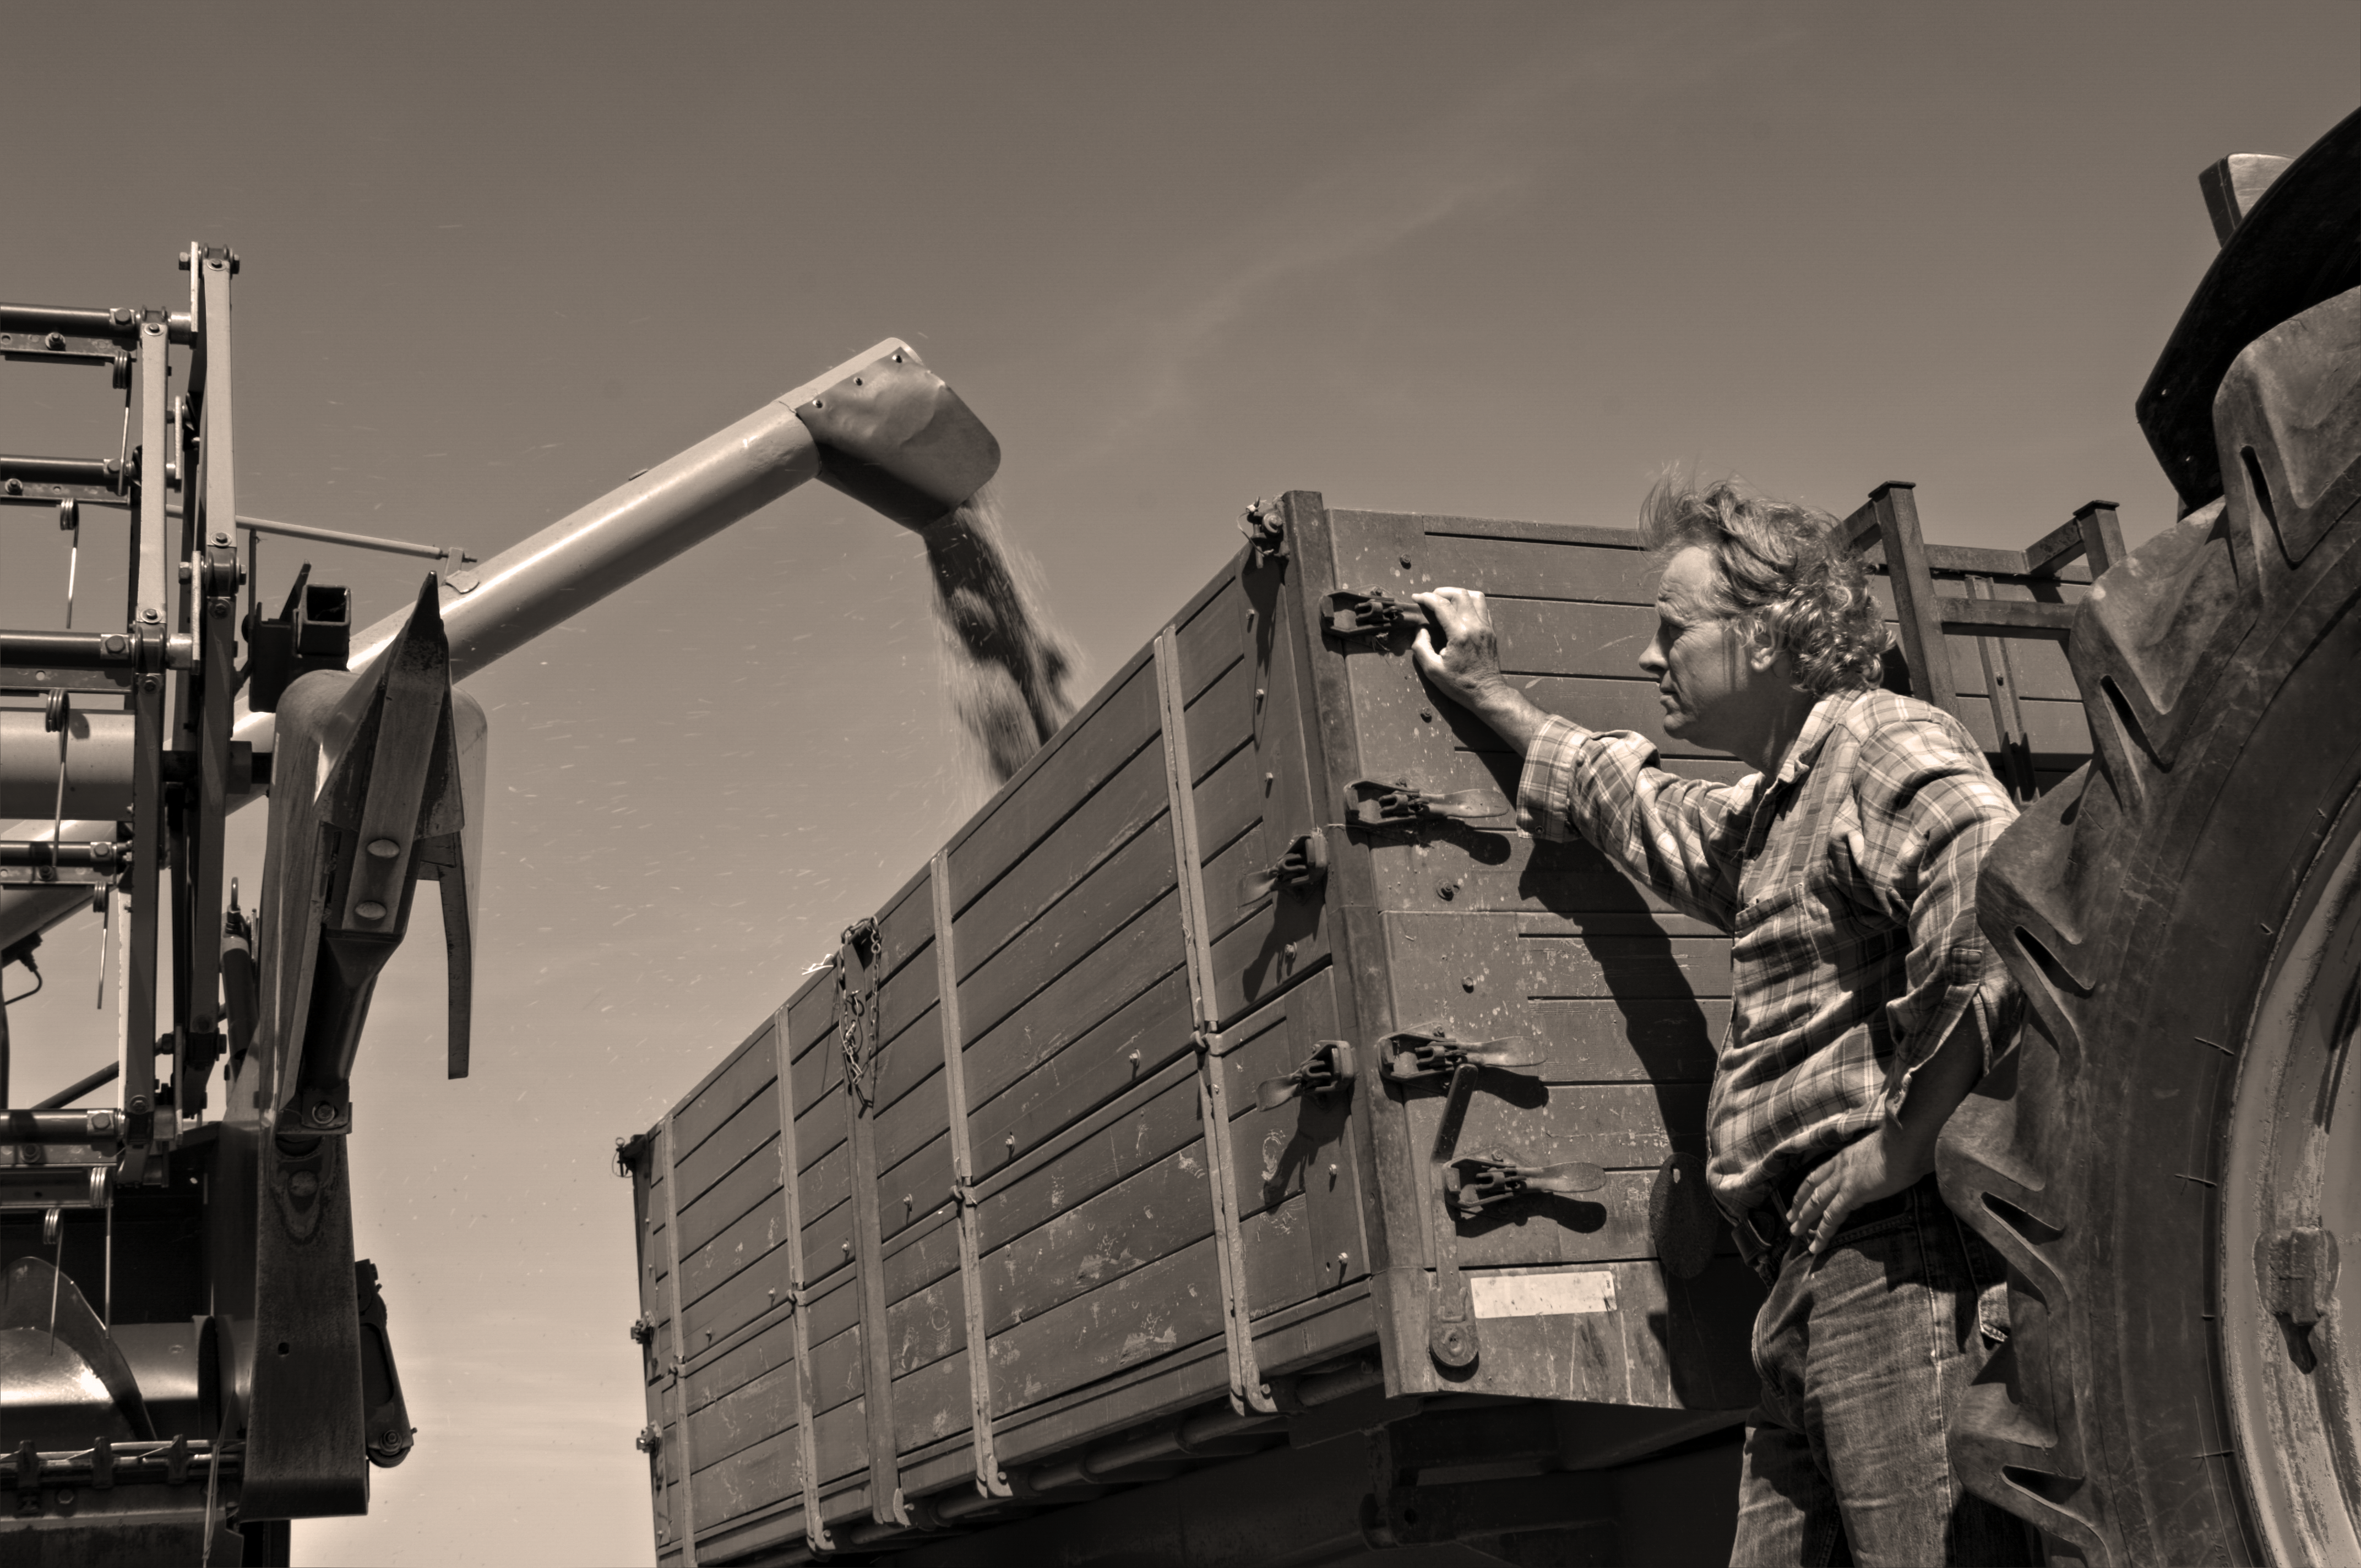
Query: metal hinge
[1329,1069]
[1369,803]
[1371,617]
[1475,1182]
[1303,868]
[1266,534]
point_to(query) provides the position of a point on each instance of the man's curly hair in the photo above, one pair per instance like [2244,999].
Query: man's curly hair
[1780,570]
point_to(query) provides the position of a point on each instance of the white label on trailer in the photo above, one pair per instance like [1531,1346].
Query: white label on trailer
[1542,1294]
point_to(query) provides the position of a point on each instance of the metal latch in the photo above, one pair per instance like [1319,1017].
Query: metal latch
[1372,805]
[1266,534]
[1301,869]
[1419,1055]
[1473,1184]
[649,1440]
[1372,616]
[1329,1069]
[1415,1055]
[643,1328]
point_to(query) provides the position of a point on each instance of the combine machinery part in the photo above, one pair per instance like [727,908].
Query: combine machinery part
[2171,1160]
[190,1350]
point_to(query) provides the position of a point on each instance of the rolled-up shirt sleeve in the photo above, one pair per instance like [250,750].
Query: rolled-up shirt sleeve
[1944,812]
[1684,838]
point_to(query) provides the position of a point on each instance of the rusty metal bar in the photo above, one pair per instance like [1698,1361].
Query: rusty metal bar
[1247,1389]
[686,1467]
[989,1481]
[799,1296]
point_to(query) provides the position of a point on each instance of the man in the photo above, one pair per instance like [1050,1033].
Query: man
[1864,1003]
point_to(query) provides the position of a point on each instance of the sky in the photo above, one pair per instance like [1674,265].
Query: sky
[1491,260]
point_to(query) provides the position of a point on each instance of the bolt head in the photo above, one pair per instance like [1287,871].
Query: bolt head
[139,1105]
[324,1116]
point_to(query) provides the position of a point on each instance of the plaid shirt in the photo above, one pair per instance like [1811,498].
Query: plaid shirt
[1849,883]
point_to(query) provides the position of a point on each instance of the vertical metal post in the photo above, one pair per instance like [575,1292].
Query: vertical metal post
[1896,507]
[798,1297]
[151,576]
[685,1467]
[1249,1392]
[989,1481]
[860,966]
[214,569]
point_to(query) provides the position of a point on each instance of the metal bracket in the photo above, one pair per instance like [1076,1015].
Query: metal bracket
[816,1536]
[860,957]
[1249,1392]
[990,1480]
[1266,534]
[861,965]
[1329,1069]
[668,1149]
[1371,617]
[1475,1182]
[1303,868]
[1372,805]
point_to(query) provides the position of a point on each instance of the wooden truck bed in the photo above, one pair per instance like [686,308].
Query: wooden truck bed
[1025,1201]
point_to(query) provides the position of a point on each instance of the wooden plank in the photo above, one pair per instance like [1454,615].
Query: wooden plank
[1069,934]
[755,1124]
[915,1190]
[1619,1125]
[1126,806]
[753,1180]
[922,1255]
[763,1406]
[819,1068]
[910,1095]
[1088,752]
[1172,1303]
[747,1480]
[1669,1344]
[905,997]
[737,1246]
[828,1240]
[811,1013]
[840,1370]
[1120,970]
[1220,721]
[1129,1136]
[931,1404]
[1146,1035]
[1278,941]
[741,1076]
[1211,637]
[1603,1226]
[905,925]
[841,1440]
[1632,967]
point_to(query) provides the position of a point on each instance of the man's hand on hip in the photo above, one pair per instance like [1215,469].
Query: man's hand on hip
[1467,666]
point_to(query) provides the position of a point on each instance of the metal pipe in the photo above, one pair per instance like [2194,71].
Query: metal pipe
[44,651]
[901,441]
[80,1087]
[98,774]
[331,536]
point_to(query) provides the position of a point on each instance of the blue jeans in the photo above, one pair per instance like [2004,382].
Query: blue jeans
[1864,1355]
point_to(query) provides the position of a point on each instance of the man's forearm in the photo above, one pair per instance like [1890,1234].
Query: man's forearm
[1510,714]
[1939,1086]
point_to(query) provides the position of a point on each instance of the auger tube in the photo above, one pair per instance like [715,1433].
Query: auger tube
[880,427]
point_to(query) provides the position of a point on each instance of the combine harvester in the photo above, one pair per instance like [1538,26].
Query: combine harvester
[191,1355]
[1241,1145]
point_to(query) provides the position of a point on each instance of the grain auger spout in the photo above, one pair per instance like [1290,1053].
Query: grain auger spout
[880,427]
[263,1357]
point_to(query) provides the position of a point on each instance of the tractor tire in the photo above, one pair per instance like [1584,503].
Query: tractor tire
[2170,1156]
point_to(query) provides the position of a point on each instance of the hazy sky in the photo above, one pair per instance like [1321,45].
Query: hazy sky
[1494,259]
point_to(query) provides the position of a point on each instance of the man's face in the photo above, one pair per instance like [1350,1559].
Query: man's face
[1704,670]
